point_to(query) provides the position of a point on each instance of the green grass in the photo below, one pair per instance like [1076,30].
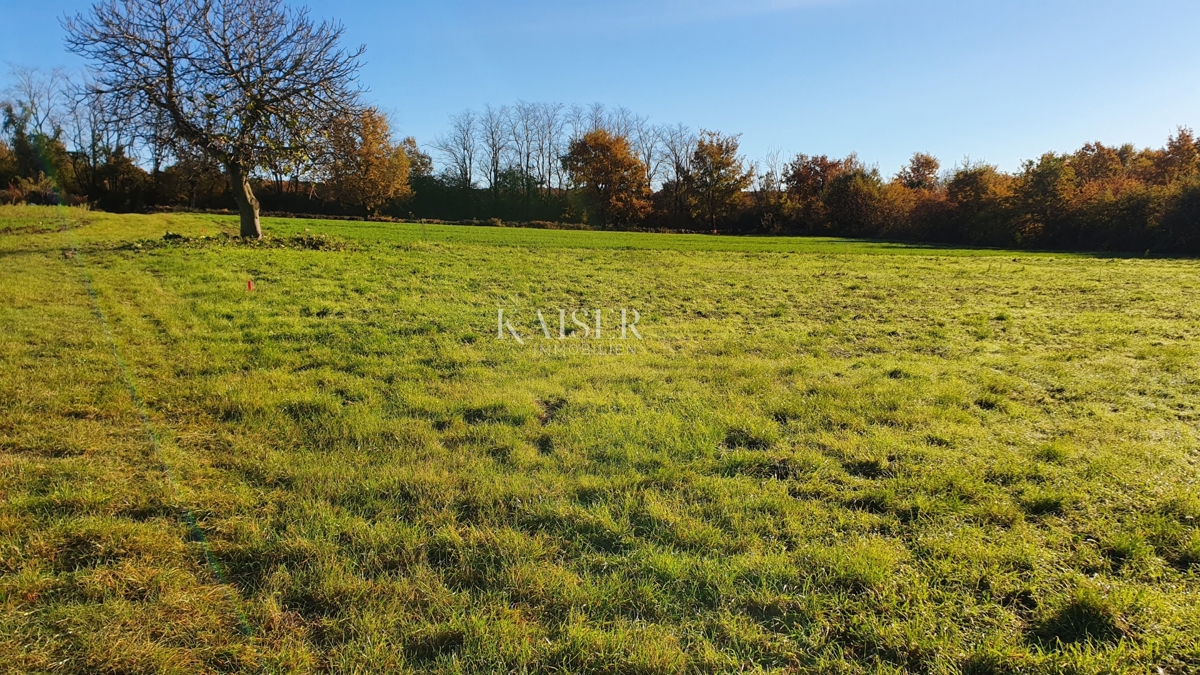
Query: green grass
[826,456]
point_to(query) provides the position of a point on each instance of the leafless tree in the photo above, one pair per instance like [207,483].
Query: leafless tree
[522,129]
[530,140]
[228,74]
[646,140]
[96,133]
[551,145]
[39,99]
[768,193]
[597,117]
[459,148]
[622,122]
[678,146]
[770,171]
[494,140]
[577,120]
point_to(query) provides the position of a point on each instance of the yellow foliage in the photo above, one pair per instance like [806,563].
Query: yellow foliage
[365,167]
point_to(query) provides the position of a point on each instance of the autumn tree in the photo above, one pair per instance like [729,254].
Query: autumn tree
[1097,162]
[1045,198]
[861,204]
[979,196]
[364,167]
[225,75]
[36,155]
[33,119]
[921,173]
[716,178]
[1181,157]
[612,178]
[807,177]
[420,164]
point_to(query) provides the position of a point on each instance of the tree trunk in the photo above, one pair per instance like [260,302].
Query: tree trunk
[247,203]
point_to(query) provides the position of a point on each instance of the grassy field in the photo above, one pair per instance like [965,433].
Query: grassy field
[824,456]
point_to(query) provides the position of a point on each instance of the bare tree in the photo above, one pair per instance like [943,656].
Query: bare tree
[678,143]
[522,129]
[770,171]
[40,99]
[96,133]
[769,191]
[494,140]
[577,119]
[597,118]
[647,144]
[622,122]
[551,146]
[459,148]
[157,141]
[32,112]
[678,147]
[228,74]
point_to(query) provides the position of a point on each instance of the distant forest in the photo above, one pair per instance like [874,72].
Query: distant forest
[544,164]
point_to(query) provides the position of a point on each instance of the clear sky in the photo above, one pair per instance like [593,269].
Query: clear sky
[998,80]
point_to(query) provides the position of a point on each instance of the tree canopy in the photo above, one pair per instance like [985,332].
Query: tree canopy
[243,81]
[717,177]
[612,177]
[365,168]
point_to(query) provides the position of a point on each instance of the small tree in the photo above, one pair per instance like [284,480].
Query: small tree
[226,75]
[365,168]
[717,177]
[613,179]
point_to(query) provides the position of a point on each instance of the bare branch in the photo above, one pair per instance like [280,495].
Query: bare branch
[251,83]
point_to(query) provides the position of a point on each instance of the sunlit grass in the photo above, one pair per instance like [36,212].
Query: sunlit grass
[825,456]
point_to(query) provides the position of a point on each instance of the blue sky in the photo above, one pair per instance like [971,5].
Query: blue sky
[996,81]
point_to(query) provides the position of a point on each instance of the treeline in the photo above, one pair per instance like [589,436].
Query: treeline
[607,169]
[1097,198]
[63,142]
[617,170]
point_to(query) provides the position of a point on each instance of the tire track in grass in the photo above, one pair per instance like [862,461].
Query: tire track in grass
[187,517]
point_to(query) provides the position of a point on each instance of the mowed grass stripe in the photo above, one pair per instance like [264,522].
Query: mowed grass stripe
[98,565]
[189,519]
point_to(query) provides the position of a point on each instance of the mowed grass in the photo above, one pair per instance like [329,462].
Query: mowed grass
[825,456]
